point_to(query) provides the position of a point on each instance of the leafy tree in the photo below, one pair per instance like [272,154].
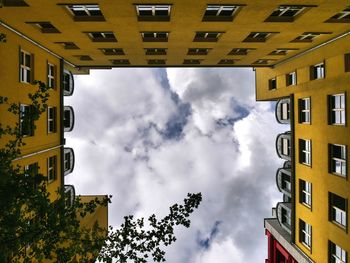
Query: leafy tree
[34,228]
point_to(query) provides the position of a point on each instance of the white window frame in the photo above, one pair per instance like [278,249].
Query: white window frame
[258,35]
[51,170]
[306,192]
[306,152]
[338,111]
[342,14]
[306,234]
[338,255]
[305,111]
[319,71]
[153,9]
[51,75]
[286,146]
[51,119]
[25,71]
[220,8]
[340,216]
[285,111]
[155,35]
[308,36]
[293,76]
[283,9]
[338,161]
[286,217]
[85,8]
[67,161]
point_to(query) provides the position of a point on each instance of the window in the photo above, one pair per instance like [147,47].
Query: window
[286,146]
[31,169]
[263,61]
[51,168]
[285,13]
[155,36]
[68,45]
[26,120]
[45,27]
[153,12]
[257,37]
[347,62]
[282,51]
[84,57]
[86,12]
[192,61]
[198,51]
[14,3]
[317,71]
[305,233]
[309,36]
[26,66]
[272,84]
[285,111]
[305,192]
[341,17]
[305,151]
[207,36]
[120,61]
[336,104]
[286,217]
[155,51]
[51,73]
[336,253]
[156,62]
[240,51]
[286,184]
[226,62]
[220,12]
[102,36]
[304,110]
[51,119]
[338,209]
[68,83]
[67,161]
[337,159]
[291,78]
[112,51]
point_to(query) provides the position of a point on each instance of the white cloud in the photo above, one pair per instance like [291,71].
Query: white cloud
[121,149]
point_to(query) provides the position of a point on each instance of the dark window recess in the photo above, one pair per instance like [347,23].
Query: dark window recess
[272,84]
[155,51]
[84,57]
[45,27]
[88,12]
[341,17]
[257,37]
[291,78]
[347,62]
[317,71]
[207,36]
[66,119]
[155,36]
[112,51]
[153,12]
[220,12]
[10,3]
[26,120]
[240,51]
[337,209]
[120,61]
[226,62]
[156,62]
[102,36]
[198,51]
[192,61]
[68,45]
[286,13]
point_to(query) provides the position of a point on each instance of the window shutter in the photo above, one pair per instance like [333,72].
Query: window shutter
[19,63]
[32,68]
[312,74]
[47,73]
[347,62]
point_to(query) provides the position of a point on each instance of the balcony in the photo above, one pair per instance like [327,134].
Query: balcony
[68,118]
[284,217]
[68,83]
[69,192]
[68,161]
[283,111]
[283,179]
[284,146]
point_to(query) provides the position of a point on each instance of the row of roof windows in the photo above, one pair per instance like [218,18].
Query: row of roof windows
[213,12]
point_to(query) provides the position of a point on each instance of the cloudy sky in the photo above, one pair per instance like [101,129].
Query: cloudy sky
[150,136]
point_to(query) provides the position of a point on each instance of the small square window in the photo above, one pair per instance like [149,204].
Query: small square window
[336,109]
[337,159]
[282,51]
[84,57]
[305,152]
[52,168]
[317,71]
[336,253]
[26,120]
[51,75]
[198,51]
[51,119]
[26,66]
[45,27]
[291,78]
[156,62]
[240,51]
[264,61]
[112,51]
[305,193]
[257,37]
[155,51]
[192,61]
[304,110]
[31,169]
[120,61]
[86,12]
[153,12]
[207,36]
[68,45]
[220,12]
[102,36]
[285,13]
[338,209]
[272,84]
[341,17]
[305,233]
[155,36]
[309,36]
[226,62]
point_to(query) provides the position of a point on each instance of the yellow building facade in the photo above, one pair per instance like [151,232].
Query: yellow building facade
[300,53]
